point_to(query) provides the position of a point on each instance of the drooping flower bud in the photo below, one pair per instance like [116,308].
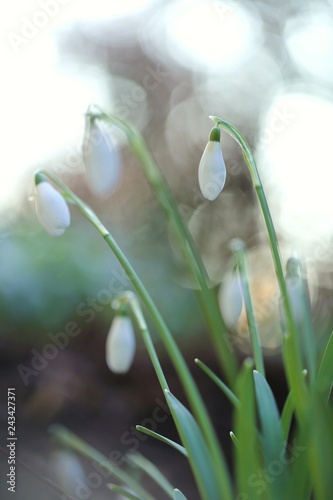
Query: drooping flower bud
[212,171]
[101,158]
[120,345]
[294,286]
[230,299]
[51,208]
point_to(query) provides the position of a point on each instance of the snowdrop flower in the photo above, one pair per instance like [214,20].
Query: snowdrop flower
[230,299]
[101,159]
[120,345]
[212,171]
[51,209]
[66,470]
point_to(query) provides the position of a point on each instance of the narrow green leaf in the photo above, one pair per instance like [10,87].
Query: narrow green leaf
[269,418]
[137,460]
[273,444]
[295,377]
[221,385]
[287,415]
[178,495]
[325,373]
[198,453]
[164,439]
[320,443]
[246,452]
[70,439]
[122,491]
[296,459]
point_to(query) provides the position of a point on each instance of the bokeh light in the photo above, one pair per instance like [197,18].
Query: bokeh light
[294,148]
[309,39]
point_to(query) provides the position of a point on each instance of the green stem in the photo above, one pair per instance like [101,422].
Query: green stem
[198,407]
[309,335]
[206,296]
[131,300]
[294,369]
[238,247]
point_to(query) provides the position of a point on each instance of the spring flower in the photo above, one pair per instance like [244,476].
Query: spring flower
[120,345]
[212,171]
[51,208]
[230,299]
[101,159]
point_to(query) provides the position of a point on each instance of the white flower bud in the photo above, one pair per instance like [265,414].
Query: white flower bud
[101,159]
[295,290]
[230,299]
[51,208]
[66,470]
[212,171]
[120,345]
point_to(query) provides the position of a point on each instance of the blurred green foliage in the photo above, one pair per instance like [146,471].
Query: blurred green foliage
[47,281]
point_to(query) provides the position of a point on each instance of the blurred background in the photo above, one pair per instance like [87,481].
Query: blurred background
[163,66]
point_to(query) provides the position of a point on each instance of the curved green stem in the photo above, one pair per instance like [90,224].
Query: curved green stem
[132,302]
[294,367]
[198,407]
[207,297]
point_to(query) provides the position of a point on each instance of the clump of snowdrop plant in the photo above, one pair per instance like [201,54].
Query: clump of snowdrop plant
[271,458]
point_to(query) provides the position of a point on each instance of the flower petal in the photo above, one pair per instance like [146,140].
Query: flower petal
[120,345]
[212,171]
[230,299]
[51,209]
[101,159]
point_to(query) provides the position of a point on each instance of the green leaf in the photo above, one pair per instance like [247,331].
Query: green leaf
[273,442]
[320,446]
[325,373]
[247,451]
[178,495]
[122,491]
[221,385]
[70,439]
[137,460]
[198,453]
[287,415]
[299,480]
[272,437]
[164,439]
